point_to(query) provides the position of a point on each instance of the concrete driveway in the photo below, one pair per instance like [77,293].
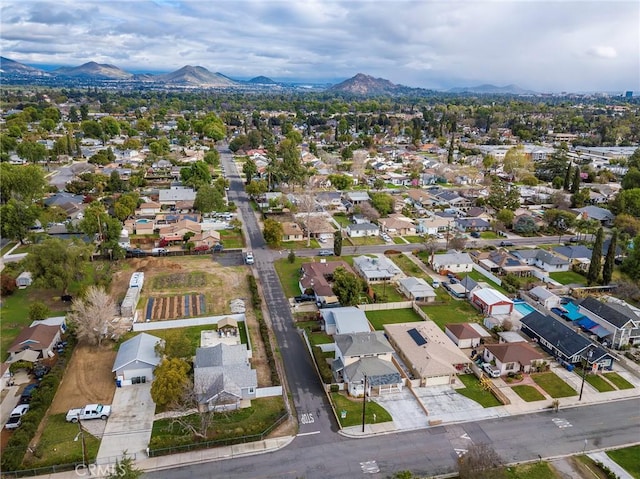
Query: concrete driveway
[444,403]
[129,426]
[404,409]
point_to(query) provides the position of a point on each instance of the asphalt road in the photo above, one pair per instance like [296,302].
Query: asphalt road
[435,450]
[313,412]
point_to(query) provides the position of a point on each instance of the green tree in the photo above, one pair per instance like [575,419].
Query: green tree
[634,160]
[593,274]
[631,179]
[378,184]
[488,162]
[502,196]
[580,198]
[627,201]
[337,243]
[505,216]
[38,311]
[212,157]
[208,199]
[382,202]
[176,344]
[567,178]
[340,182]
[272,232]
[196,175]
[250,169]
[610,258]
[628,224]
[56,263]
[125,469]
[559,221]
[92,129]
[17,218]
[631,264]
[31,151]
[256,188]
[170,379]
[347,287]
[575,184]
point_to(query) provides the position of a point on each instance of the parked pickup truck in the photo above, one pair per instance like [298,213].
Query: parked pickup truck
[90,411]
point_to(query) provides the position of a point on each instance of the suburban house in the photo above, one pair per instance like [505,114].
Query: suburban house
[501,262]
[24,279]
[466,335]
[491,302]
[453,262]
[542,259]
[317,277]
[417,289]
[360,230]
[136,359]
[398,225]
[563,342]
[602,215]
[291,231]
[357,197]
[223,378]
[208,238]
[376,350]
[621,321]
[512,357]
[544,297]
[34,342]
[150,208]
[176,231]
[472,224]
[378,269]
[175,194]
[432,225]
[431,356]
[577,255]
[329,199]
[344,320]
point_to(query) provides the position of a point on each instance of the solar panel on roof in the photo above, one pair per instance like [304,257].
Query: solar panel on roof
[417,337]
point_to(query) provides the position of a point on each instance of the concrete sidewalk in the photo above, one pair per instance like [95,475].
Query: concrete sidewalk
[610,463]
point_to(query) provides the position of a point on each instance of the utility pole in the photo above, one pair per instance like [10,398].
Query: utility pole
[364,403]
[84,448]
[584,371]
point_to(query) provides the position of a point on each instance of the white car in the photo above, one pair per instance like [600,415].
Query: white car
[15,418]
[490,370]
[248,258]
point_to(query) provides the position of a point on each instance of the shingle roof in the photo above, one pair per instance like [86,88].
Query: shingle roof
[139,348]
[550,258]
[463,331]
[378,372]
[36,338]
[612,316]
[522,353]
[223,368]
[358,344]
[560,336]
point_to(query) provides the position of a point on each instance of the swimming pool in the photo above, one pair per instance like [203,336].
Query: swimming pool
[523,308]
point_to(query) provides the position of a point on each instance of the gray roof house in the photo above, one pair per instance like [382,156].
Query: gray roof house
[417,289]
[549,262]
[604,216]
[344,320]
[376,269]
[382,376]
[357,197]
[223,378]
[619,320]
[358,230]
[136,359]
[452,261]
[175,194]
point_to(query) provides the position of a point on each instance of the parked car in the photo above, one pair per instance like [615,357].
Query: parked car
[325,252]
[15,418]
[90,411]
[203,248]
[217,248]
[574,239]
[40,370]
[304,298]
[159,251]
[490,370]
[248,257]
[25,397]
[135,252]
[475,234]
[506,243]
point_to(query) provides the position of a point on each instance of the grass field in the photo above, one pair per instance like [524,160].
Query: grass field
[474,275]
[596,381]
[353,409]
[413,239]
[537,470]
[342,220]
[528,393]
[489,235]
[398,240]
[408,267]
[227,426]
[618,381]
[568,277]
[628,458]
[553,385]
[473,390]
[57,445]
[232,238]
[388,293]
[392,316]
[366,240]
[289,274]
[452,312]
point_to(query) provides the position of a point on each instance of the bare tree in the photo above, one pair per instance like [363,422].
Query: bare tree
[307,205]
[458,243]
[368,211]
[92,315]
[189,403]
[481,461]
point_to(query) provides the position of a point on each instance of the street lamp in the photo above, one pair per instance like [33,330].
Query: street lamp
[584,371]
[364,402]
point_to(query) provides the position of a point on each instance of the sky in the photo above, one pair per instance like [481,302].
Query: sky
[546,46]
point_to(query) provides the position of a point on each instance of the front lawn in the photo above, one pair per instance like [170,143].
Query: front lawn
[391,316]
[414,239]
[192,333]
[353,409]
[227,428]
[473,390]
[58,445]
[289,274]
[319,338]
[568,277]
[596,381]
[474,275]
[627,458]
[553,385]
[489,235]
[232,238]
[367,240]
[536,470]
[618,381]
[408,267]
[528,393]
[452,312]
[398,240]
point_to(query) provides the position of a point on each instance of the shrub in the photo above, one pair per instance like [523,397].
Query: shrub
[335,388]
[7,285]
[323,366]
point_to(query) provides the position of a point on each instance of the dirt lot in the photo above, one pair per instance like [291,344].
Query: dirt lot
[88,379]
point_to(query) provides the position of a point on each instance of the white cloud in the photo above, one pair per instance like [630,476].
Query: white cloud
[551,45]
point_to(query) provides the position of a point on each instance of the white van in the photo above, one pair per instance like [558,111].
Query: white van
[159,251]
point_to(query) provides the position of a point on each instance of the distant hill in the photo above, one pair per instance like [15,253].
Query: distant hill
[492,89]
[94,70]
[362,84]
[196,76]
[12,67]
[262,80]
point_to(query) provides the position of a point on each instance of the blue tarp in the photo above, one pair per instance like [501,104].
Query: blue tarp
[572,312]
[586,323]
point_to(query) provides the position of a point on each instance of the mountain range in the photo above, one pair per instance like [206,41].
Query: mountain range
[199,77]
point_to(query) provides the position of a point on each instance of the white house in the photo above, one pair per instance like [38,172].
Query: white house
[24,279]
[491,302]
[378,269]
[136,360]
[345,320]
[417,289]
[512,357]
[545,297]
[466,335]
[453,262]
[550,263]
[361,230]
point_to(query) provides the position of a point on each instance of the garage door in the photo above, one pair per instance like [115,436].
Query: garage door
[501,309]
[437,381]
[147,373]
